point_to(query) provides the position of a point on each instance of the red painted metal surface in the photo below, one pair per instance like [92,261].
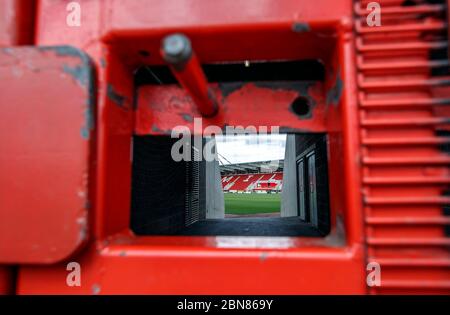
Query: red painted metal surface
[17,22]
[158,265]
[162,108]
[113,262]
[379,104]
[45,128]
[405,173]
[188,71]
[17,28]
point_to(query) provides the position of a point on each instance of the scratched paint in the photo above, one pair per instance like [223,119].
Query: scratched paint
[299,27]
[115,97]
[65,50]
[89,122]
[335,93]
[79,72]
[69,77]
[82,73]
[187,117]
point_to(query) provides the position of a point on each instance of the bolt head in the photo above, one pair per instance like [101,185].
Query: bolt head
[176,49]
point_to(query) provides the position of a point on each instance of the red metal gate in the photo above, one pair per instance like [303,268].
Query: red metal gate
[381,103]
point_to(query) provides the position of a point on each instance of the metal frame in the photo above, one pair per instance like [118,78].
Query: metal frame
[112,262]
[119,36]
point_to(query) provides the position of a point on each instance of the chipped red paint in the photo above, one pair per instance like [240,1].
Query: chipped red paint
[186,67]
[161,108]
[45,131]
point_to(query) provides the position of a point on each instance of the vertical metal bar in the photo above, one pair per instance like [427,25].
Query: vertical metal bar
[177,51]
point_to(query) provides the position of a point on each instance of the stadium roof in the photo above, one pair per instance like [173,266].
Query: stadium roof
[252,167]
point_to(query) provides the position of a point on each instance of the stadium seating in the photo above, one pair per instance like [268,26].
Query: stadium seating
[252,182]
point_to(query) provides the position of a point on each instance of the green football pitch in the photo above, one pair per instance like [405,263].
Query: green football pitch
[252,203]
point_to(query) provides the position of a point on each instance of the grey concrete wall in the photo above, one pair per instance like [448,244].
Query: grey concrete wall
[289,191]
[215,206]
[316,166]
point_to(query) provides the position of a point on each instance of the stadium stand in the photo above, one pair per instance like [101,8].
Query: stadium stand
[248,177]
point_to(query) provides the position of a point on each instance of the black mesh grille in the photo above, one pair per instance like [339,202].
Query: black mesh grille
[193,193]
[158,187]
[166,195]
